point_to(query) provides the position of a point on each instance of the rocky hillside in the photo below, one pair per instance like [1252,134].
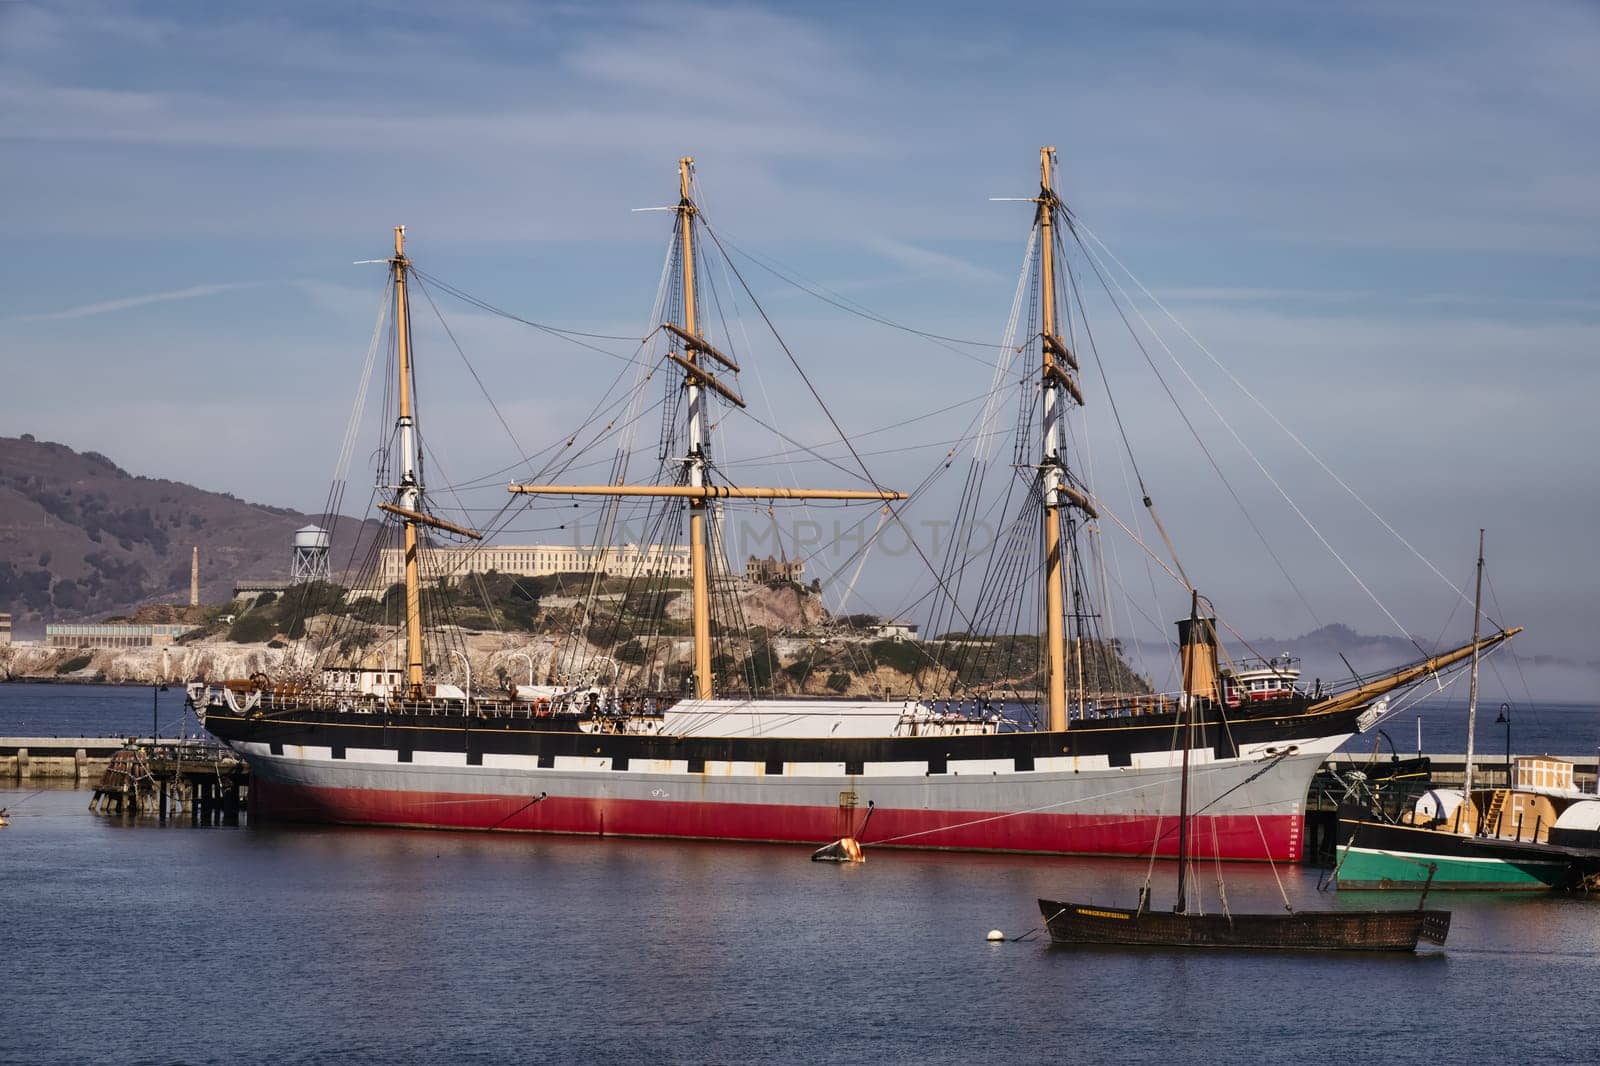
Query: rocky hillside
[81,538]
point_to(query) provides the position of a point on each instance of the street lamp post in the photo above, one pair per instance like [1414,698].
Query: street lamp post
[156,689]
[1504,719]
[468,664]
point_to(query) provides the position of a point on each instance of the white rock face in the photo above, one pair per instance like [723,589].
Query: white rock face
[494,657]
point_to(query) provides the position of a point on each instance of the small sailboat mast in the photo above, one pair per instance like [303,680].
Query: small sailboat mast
[409,495]
[1472,683]
[1191,638]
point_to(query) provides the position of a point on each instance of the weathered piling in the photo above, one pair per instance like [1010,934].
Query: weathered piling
[126,785]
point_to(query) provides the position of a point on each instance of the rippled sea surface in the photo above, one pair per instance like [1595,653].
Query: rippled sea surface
[131,942]
[123,940]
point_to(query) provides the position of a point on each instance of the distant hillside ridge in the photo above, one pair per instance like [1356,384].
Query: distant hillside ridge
[81,538]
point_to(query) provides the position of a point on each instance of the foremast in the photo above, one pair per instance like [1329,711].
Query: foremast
[408,499]
[698,361]
[1057,385]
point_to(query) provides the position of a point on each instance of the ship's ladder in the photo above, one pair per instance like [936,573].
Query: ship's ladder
[1497,808]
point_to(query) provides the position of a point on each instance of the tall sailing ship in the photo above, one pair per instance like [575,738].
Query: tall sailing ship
[1095,771]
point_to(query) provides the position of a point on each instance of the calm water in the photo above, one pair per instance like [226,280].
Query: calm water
[128,941]
[140,943]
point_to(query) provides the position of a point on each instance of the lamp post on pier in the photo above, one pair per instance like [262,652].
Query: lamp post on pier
[156,689]
[1504,718]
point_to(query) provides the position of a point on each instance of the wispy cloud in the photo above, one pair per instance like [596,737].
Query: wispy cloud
[106,307]
[926,261]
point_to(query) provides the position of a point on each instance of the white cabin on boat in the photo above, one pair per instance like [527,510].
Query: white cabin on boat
[1260,680]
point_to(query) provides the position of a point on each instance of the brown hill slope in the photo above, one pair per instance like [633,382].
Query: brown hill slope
[81,538]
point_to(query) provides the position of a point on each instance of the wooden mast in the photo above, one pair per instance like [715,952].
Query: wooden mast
[1472,684]
[1054,614]
[409,496]
[1186,712]
[699,561]
[699,492]
[1371,690]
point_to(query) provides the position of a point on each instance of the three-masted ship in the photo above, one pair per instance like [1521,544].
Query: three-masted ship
[390,746]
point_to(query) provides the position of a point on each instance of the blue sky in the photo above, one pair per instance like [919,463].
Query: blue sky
[1383,217]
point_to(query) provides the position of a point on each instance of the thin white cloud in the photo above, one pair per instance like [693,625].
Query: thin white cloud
[106,307]
[927,261]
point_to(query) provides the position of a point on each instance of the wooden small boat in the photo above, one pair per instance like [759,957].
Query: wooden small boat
[1383,930]
[1087,924]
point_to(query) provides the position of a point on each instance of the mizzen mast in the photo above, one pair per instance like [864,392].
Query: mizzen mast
[408,498]
[695,379]
[1056,379]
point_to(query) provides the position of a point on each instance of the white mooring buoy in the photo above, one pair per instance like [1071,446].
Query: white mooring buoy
[995,936]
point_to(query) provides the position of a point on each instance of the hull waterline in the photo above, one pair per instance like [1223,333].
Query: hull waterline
[1254,804]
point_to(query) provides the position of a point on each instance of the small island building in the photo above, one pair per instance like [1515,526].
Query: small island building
[896,630]
[112,634]
[765,571]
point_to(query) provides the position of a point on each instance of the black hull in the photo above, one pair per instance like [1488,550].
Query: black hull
[283,722]
[1077,924]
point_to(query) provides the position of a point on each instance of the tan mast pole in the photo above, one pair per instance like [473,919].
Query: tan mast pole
[1406,675]
[699,563]
[1054,634]
[1472,684]
[410,495]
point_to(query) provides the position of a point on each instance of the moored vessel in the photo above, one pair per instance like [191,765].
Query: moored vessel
[1509,839]
[1094,772]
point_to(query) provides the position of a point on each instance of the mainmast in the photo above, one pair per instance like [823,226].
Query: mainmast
[1056,378]
[1472,684]
[699,362]
[699,563]
[409,496]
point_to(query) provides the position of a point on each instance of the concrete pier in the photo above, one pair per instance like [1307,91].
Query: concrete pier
[206,778]
[57,759]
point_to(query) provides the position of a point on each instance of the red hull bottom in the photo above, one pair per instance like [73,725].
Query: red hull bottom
[1235,836]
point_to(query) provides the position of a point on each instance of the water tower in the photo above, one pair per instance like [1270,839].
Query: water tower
[310,555]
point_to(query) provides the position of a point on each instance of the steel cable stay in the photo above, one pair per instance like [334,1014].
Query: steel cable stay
[786,455]
[1256,460]
[543,327]
[1271,415]
[483,389]
[866,473]
[853,307]
[1199,441]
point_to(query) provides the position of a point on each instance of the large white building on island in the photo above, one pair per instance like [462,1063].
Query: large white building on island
[538,560]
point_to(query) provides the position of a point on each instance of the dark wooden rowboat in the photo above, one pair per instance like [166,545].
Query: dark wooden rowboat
[1394,930]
